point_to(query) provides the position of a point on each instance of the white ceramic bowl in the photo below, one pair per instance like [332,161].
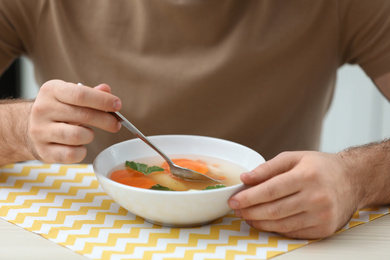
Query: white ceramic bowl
[173,208]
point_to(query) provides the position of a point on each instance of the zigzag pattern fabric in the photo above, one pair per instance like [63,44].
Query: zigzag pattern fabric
[65,204]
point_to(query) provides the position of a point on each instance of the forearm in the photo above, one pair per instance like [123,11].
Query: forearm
[14,140]
[368,168]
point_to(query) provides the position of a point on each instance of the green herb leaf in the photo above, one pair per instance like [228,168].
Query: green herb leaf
[141,167]
[160,187]
[218,186]
[154,169]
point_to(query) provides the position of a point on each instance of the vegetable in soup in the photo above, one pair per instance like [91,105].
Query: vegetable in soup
[150,173]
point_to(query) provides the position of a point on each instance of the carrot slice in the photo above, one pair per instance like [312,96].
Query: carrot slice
[197,165]
[119,174]
[132,178]
[139,182]
[124,173]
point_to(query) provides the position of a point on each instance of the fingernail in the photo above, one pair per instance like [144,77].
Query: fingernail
[234,204]
[249,174]
[247,177]
[244,174]
[238,214]
[119,126]
[117,105]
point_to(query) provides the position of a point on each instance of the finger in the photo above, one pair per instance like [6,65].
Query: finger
[44,114]
[57,153]
[276,188]
[280,164]
[82,96]
[90,117]
[280,209]
[287,225]
[103,87]
[68,134]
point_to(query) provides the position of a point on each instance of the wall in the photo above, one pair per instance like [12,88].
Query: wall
[359,113]
[29,86]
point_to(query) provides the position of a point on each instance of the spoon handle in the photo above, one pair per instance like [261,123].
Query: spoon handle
[126,123]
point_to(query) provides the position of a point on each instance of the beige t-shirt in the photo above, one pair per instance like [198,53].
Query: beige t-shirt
[260,73]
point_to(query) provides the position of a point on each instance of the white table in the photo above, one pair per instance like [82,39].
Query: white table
[367,241]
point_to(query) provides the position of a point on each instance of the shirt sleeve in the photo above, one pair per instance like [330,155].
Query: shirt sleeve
[18,22]
[365,35]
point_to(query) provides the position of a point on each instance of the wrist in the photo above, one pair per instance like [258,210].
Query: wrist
[355,177]
[367,167]
[15,143]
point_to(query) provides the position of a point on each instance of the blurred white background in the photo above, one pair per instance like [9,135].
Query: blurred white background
[359,113]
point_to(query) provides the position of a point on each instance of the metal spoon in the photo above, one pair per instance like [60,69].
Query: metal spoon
[178,171]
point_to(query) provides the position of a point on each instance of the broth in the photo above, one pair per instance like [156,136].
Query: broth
[227,172]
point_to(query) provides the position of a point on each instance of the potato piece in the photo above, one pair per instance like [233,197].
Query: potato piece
[164,179]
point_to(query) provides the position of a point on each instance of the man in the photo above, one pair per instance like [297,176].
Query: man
[260,73]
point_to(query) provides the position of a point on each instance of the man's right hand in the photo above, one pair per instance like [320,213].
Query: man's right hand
[60,116]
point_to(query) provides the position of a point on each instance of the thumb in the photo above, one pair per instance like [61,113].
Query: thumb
[265,171]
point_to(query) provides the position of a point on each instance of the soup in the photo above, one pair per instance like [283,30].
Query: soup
[153,173]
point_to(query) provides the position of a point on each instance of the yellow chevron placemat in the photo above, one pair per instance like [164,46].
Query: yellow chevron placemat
[65,204]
